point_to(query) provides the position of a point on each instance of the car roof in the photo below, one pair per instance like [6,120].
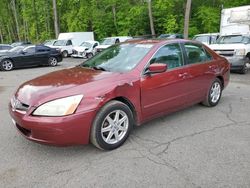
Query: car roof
[205,34]
[158,41]
[90,41]
[5,45]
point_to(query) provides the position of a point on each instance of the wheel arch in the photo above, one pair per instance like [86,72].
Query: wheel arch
[8,58]
[130,105]
[248,55]
[222,80]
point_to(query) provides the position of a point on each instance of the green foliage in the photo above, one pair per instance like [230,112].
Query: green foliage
[208,18]
[106,17]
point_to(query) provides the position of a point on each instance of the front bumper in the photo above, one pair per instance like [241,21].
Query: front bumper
[237,63]
[61,131]
[78,54]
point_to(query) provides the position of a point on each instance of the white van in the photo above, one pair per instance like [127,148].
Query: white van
[234,41]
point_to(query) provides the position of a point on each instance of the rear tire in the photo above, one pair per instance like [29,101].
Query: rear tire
[111,126]
[6,65]
[214,94]
[53,61]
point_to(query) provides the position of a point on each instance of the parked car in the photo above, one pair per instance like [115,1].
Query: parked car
[207,38]
[5,47]
[21,56]
[171,36]
[109,41]
[67,41]
[236,48]
[21,43]
[85,50]
[125,85]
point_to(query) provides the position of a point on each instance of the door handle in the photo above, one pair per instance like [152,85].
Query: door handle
[212,67]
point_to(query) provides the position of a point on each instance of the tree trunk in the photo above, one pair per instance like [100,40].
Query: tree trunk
[47,11]
[1,34]
[36,21]
[55,19]
[9,35]
[16,20]
[114,17]
[187,16]
[150,15]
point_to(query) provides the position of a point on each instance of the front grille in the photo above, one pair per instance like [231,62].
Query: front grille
[227,53]
[18,105]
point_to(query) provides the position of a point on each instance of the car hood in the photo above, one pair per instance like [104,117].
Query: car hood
[63,83]
[80,48]
[227,46]
[103,46]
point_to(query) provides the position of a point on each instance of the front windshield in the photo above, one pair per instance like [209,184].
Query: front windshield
[108,41]
[60,43]
[86,44]
[203,38]
[118,58]
[233,39]
[16,49]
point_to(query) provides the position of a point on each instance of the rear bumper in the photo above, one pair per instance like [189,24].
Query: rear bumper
[61,131]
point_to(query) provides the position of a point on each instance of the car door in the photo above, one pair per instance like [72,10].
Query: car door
[26,57]
[202,70]
[165,92]
[42,54]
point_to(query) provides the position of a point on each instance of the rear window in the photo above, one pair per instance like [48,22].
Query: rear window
[196,53]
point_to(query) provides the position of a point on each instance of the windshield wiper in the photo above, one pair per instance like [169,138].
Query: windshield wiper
[99,68]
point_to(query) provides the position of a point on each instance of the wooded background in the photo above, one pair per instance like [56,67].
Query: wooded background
[33,20]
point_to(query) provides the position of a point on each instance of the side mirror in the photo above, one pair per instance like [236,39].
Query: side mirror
[156,68]
[23,52]
[86,49]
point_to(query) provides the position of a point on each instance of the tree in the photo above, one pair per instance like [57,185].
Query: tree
[150,15]
[55,19]
[187,16]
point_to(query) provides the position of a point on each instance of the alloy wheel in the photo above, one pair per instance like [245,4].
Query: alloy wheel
[7,65]
[114,127]
[215,92]
[53,61]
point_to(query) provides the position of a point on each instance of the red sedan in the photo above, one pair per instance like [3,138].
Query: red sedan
[125,85]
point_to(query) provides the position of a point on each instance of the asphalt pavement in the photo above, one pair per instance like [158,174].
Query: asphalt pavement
[195,147]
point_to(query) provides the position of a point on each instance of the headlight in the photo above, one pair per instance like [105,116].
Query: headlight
[59,107]
[240,52]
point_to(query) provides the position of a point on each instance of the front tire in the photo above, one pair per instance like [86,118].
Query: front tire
[53,61]
[6,65]
[65,53]
[244,69]
[214,94]
[111,126]
[89,55]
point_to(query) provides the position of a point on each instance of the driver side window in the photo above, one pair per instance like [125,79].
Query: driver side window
[30,50]
[170,55]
